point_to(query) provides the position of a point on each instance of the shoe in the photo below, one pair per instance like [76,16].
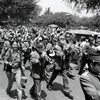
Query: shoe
[23,85]
[33,94]
[49,87]
[7,92]
[68,95]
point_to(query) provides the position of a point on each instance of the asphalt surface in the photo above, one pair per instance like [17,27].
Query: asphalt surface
[56,94]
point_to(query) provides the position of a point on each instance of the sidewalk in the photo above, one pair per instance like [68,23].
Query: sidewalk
[56,94]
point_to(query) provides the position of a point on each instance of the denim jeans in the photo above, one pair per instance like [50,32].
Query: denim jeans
[17,77]
[36,88]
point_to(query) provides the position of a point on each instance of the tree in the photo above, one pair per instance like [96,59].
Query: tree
[17,11]
[59,19]
[86,4]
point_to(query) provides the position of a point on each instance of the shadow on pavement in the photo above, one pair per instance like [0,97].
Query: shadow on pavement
[33,95]
[43,94]
[13,94]
[57,86]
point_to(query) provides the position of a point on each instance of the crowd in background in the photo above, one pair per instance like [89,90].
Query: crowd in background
[48,50]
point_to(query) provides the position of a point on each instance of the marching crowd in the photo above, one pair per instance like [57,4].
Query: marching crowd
[48,51]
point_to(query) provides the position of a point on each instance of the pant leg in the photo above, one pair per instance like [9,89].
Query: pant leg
[79,61]
[67,63]
[37,86]
[48,72]
[25,60]
[83,63]
[65,81]
[10,77]
[18,84]
[32,89]
[53,76]
[5,67]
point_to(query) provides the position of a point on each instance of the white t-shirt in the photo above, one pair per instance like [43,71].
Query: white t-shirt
[83,44]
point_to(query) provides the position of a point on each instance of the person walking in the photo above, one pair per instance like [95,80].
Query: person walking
[60,68]
[84,58]
[37,69]
[12,59]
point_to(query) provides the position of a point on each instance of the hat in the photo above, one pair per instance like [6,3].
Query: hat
[40,45]
[93,70]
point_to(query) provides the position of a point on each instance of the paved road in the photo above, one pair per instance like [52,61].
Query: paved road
[56,94]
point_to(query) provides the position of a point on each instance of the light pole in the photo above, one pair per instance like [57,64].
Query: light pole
[67,23]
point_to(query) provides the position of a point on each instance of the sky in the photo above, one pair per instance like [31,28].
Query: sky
[59,6]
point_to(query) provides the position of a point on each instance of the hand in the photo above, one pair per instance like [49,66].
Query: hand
[86,53]
[43,54]
[10,63]
[37,61]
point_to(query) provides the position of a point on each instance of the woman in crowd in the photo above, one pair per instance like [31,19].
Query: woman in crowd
[12,59]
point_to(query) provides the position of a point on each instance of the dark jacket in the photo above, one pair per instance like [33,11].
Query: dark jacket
[58,57]
[37,64]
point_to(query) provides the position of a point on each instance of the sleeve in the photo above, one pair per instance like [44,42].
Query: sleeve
[85,49]
[89,88]
[2,53]
[58,52]
[7,58]
[98,48]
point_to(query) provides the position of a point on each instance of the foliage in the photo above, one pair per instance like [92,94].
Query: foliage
[86,4]
[17,11]
[72,21]
[60,19]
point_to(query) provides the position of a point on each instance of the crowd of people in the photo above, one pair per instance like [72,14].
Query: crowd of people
[48,50]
